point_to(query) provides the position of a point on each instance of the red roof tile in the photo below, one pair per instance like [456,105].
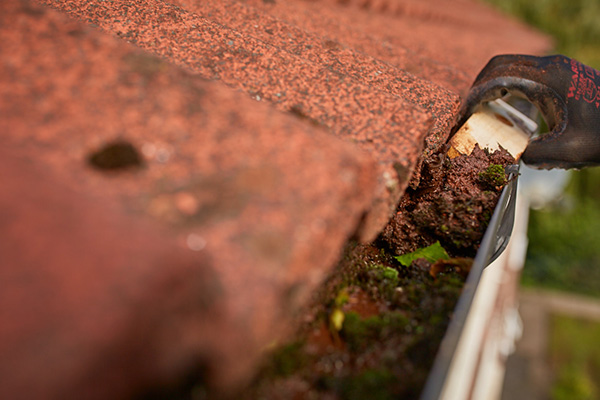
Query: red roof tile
[383,124]
[146,184]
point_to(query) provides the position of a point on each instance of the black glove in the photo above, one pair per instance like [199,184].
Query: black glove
[566,92]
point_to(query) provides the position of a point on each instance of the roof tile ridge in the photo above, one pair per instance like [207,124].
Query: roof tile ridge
[355,64]
[229,51]
[418,9]
[373,79]
[167,91]
[323,53]
[383,45]
[389,127]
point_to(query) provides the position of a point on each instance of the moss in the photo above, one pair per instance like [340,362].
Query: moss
[375,384]
[494,176]
[356,332]
[384,278]
[401,340]
[286,360]
[341,298]
[359,333]
[390,274]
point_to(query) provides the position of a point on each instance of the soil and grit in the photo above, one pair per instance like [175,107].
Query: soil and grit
[374,329]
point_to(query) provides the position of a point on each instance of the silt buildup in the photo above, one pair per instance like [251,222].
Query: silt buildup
[375,327]
[453,203]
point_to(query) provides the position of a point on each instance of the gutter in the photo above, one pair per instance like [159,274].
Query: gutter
[471,359]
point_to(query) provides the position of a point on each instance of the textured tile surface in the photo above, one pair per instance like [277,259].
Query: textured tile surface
[179,176]
[266,197]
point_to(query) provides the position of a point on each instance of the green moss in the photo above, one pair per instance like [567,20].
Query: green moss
[359,333]
[356,332]
[341,298]
[375,384]
[378,278]
[389,276]
[287,359]
[494,176]
[404,338]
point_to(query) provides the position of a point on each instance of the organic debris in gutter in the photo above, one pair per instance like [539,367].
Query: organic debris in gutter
[376,327]
[453,203]
[374,330]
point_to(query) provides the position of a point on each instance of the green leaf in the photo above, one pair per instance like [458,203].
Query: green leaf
[431,253]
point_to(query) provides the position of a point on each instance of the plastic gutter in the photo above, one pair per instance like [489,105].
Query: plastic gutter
[492,245]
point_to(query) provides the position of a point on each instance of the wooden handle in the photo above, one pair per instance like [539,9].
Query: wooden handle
[493,125]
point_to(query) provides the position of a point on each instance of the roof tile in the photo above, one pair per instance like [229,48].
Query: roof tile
[351,106]
[266,197]
[148,177]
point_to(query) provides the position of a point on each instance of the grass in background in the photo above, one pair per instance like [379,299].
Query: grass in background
[575,358]
[564,242]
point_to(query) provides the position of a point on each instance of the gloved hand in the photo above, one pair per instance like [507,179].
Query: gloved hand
[566,92]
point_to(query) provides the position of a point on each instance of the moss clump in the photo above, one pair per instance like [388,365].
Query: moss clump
[359,333]
[376,384]
[449,203]
[287,359]
[385,278]
[494,176]
[389,321]
[390,274]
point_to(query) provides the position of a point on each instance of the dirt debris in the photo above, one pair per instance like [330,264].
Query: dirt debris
[394,318]
[452,203]
[375,327]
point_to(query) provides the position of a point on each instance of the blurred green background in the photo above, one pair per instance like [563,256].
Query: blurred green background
[574,24]
[564,237]
[576,363]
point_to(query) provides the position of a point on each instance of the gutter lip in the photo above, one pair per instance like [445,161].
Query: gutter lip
[494,242]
